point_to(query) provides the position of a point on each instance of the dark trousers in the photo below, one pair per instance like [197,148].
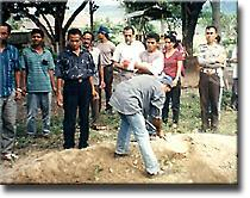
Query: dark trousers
[234,97]
[209,88]
[108,79]
[76,95]
[96,106]
[172,97]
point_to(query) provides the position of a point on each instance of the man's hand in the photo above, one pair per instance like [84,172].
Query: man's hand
[102,85]
[157,122]
[160,133]
[95,95]
[18,94]
[59,99]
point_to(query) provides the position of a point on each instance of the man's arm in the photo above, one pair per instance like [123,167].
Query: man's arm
[157,122]
[94,93]
[17,81]
[52,80]
[59,96]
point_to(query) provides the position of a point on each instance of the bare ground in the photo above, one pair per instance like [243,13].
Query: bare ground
[186,159]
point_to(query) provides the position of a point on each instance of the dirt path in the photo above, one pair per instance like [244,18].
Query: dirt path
[187,158]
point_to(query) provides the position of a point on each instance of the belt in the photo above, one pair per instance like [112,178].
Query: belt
[79,80]
[210,71]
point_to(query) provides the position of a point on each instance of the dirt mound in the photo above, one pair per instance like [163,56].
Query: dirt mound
[187,158]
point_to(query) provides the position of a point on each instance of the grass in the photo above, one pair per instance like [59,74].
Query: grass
[189,122]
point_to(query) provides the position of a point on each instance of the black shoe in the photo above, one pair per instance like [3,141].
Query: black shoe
[154,175]
[202,130]
[109,111]
[83,146]
[117,155]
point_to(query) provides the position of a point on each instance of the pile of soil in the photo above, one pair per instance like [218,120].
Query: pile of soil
[186,159]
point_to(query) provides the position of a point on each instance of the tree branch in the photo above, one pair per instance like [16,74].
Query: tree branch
[39,24]
[48,24]
[74,15]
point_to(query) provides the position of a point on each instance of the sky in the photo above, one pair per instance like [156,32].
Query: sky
[107,9]
[112,9]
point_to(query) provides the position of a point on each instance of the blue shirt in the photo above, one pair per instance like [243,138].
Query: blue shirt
[37,68]
[69,66]
[9,63]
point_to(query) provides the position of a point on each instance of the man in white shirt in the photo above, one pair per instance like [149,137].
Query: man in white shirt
[127,53]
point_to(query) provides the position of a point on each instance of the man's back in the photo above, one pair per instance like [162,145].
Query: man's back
[138,94]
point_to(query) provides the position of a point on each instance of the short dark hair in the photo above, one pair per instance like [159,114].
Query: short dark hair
[88,32]
[153,35]
[74,31]
[218,38]
[129,28]
[37,31]
[9,28]
[212,26]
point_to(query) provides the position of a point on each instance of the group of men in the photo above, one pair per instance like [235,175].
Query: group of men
[82,70]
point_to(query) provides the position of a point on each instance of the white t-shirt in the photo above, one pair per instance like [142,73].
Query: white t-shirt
[155,59]
[125,52]
[95,52]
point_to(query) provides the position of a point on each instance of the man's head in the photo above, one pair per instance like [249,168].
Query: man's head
[37,37]
[74,38]
[166,81]
[5,30]
[152,40]
[103,32]
[87,39]
[211,34]
[128,33]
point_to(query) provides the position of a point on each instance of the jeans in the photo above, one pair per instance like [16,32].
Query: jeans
[136,124]
[8,109]
[34,102]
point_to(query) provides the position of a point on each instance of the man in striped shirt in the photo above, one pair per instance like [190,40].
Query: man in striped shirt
[9,92]
[38,69]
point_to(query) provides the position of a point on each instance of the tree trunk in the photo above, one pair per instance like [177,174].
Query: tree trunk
[190,14]
[216,14]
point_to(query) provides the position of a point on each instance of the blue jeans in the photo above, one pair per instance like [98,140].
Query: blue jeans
[8,109]
[35,101]
[136,124]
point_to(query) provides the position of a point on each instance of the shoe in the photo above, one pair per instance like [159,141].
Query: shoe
[9,157]
[31,135]
[117,155]
[46,135]
[83,146]
[202,130]
[154,175]
[175,126]
[109,111]
[98,127]
[214,130]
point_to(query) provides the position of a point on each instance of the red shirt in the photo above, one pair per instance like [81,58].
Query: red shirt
[170,63]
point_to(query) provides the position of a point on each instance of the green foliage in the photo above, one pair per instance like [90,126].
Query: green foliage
[169,12]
